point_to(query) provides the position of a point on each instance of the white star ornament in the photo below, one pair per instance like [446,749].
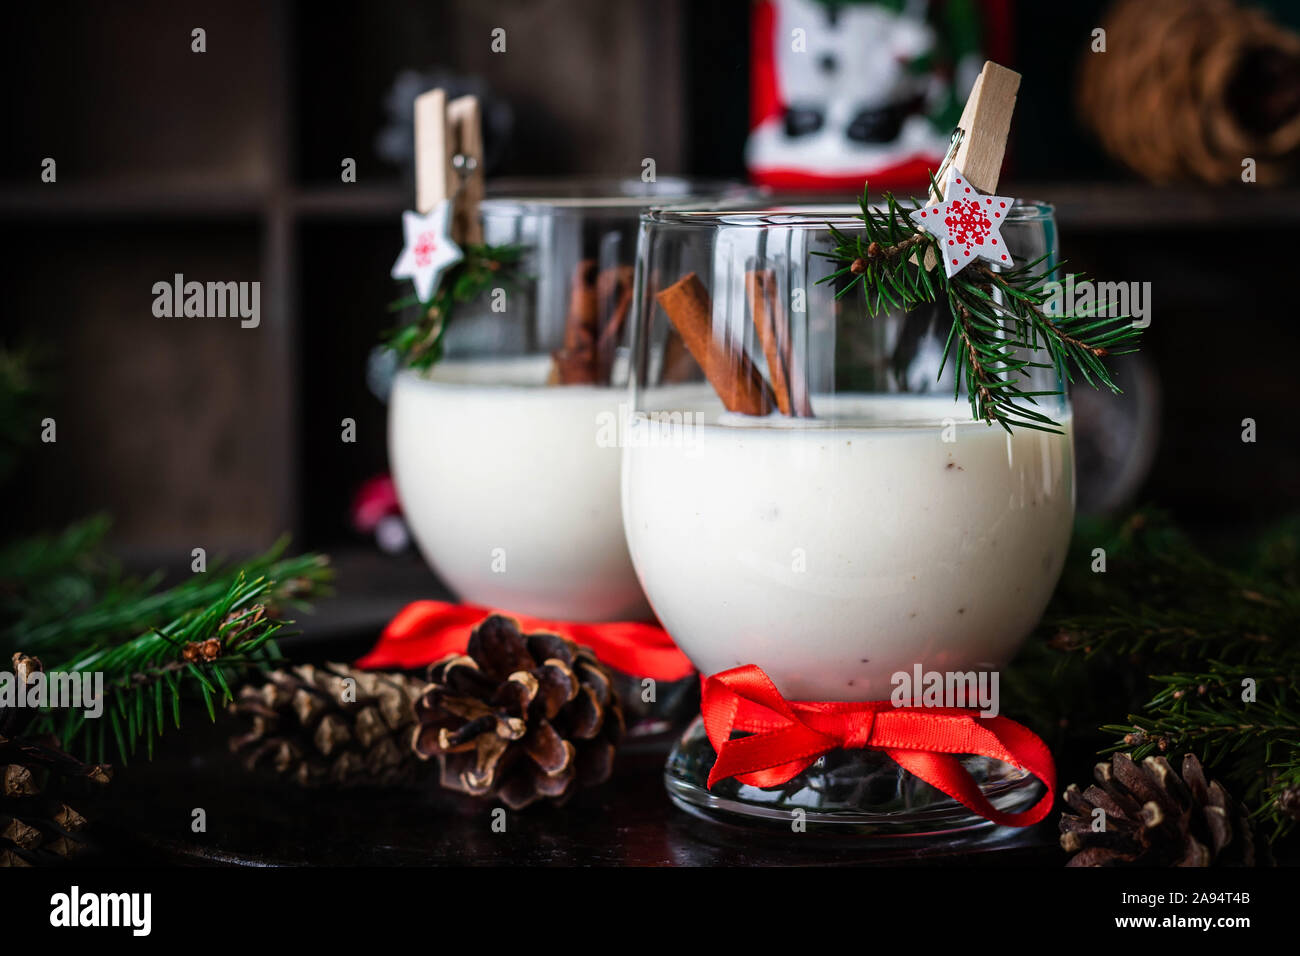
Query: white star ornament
[967,224]
[429,249]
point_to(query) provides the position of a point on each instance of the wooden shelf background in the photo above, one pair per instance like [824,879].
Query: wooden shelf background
[225,166]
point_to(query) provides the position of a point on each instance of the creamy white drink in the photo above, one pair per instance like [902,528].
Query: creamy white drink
[509,494]
[835,556]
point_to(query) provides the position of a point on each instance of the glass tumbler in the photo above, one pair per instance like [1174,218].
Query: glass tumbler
[507,479]
[802,492]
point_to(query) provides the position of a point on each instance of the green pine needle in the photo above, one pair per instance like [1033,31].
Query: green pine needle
[418,343]
[1000,321]
[1157,652]
[65,601]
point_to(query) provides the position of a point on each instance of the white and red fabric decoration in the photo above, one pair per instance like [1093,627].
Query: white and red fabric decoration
[862,89]
[967,224]
[429,249]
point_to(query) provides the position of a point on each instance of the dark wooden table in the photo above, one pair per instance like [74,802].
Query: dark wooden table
[145,816]
[253,820]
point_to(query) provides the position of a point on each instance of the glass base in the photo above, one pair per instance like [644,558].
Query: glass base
[845,792]
[654,725]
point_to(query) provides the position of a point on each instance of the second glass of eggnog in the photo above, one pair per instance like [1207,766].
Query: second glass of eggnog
[500,451]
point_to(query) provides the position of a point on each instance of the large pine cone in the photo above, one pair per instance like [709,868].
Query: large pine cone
[1153,818]
[36,827]
[521,717]
[311,727]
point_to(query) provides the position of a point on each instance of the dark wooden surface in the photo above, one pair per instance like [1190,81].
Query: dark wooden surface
[255,821]
[145,816]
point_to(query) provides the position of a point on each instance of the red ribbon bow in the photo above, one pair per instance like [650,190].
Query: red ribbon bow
[426,631]
[787,736]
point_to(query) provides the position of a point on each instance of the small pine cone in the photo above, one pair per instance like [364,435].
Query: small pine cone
[310,725]
[1155,818]
[520,717]
[1288,802]
[36,826]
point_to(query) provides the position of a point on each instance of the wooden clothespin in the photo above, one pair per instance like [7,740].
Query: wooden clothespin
[984,125]
[980,139]
[449,160]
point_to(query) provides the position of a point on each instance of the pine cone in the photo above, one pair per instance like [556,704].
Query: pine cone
[309,725]
[36,827]
[1153,818]
[1288,802]
[521,716]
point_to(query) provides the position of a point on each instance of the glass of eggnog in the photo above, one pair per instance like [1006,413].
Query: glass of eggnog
[502,451]
[802,492]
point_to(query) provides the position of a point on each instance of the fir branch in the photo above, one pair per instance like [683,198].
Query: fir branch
[1000,320]
[418,343]
[1162,600]
[64,595]
[1255,743]
[1167,636]
[146,678]
[153,647]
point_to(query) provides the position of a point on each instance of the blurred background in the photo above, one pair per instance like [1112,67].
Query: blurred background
[226,166]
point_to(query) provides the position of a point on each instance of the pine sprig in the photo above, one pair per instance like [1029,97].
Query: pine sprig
[147,677]
[66,600]
[419,342]
[1255,742]
[1166,637]
[1163,599]
[64,595]
[1001,321]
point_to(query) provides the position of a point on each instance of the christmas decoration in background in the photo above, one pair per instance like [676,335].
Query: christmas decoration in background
[395,142]
[429,250]
[418,341]
[842,92]
[1186,90]
[966,224]
[376,511]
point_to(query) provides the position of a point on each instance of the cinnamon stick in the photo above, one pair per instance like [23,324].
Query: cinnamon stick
[732,375]
[587,355]
[678,364]
[574,362]
[773,325]
[614,293]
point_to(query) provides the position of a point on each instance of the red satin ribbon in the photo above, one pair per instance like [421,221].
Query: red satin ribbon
[787,736]
[426,631]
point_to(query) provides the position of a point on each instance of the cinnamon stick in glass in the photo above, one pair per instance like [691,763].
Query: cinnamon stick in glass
[773,326]
[732,375]
[614,294]
[574,362]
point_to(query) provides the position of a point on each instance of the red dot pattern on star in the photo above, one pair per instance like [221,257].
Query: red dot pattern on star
[425,245]
[967,223]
